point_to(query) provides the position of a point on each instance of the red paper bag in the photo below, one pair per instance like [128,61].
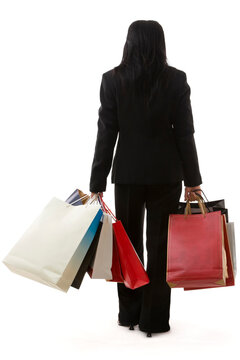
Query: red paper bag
[133,271]
[195,250]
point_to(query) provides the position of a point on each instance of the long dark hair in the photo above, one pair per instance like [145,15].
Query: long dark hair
[144,60]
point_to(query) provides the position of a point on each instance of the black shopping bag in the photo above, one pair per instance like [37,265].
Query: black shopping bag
[88,259]
[214,205]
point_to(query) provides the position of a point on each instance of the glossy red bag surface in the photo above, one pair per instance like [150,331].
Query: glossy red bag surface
[134,274]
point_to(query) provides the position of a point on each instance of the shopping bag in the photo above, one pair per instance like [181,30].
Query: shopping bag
[115,267]
[78,197]
[87,259]
[133,272]
[132,268]
[229,246]
[231,238]
[230,279]
[52,249]
[100,267]
[195,252]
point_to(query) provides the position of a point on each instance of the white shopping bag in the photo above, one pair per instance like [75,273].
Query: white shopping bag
[102,262]
[52,249]
[231,237]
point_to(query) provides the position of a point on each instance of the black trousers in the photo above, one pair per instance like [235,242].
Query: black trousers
[149,305]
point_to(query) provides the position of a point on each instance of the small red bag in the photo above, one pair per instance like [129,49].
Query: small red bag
[132,270]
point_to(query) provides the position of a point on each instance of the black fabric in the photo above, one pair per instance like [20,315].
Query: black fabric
[155,145]
[214,205]
[149,305]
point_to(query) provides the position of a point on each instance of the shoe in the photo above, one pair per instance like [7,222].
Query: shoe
[131,326]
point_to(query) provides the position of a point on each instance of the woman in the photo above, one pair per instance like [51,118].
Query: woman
[146,102]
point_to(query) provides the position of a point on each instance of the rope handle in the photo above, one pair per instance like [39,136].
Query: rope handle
[102,203]
[201,205]
[106,208]
[200,196]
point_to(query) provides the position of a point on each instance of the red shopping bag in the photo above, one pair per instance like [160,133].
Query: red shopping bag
[230,281]
[133,272]
[195,249]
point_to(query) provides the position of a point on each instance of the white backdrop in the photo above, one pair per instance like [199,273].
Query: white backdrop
[53,54]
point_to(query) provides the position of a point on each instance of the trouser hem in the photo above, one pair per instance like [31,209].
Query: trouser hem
[128,323]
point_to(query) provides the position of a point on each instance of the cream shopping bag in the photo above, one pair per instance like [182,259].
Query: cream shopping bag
[52,249]
[100,267]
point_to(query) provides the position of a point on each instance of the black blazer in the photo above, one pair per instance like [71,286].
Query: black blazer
[154,146]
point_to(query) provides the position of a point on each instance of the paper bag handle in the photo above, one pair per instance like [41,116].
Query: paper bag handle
[201,206]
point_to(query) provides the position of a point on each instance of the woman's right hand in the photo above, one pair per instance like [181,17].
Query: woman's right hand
[191,195]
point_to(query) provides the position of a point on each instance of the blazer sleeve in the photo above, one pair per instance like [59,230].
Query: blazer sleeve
[183,128]
[106,135]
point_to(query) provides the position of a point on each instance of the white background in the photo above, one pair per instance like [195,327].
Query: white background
[53,54]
